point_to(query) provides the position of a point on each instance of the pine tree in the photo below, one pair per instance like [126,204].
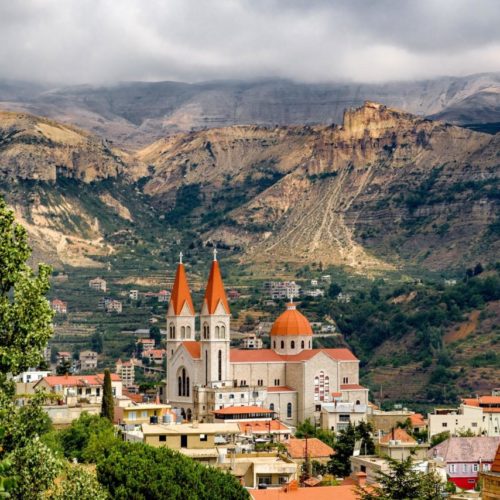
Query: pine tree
[107,408]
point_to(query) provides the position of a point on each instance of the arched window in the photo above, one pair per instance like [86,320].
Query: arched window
[321,386]
[274,344]
[188,331]
[183,332]
[220,365]
[187,386]
[172,331]
[222,332]
[271,406]
[289,410]
[309,344]
[302,345]
[217,332]
[292,344]
[183,383]
[282,344]
[357,402]
[179,388]
[206,366]
[206,331]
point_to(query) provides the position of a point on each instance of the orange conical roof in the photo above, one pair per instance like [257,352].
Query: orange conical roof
[215,293]
[291,322]
[180,291]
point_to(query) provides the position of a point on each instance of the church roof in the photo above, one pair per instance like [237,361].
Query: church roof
[215,293]
[193,348]
[180,291]
[291,322]
[269,355]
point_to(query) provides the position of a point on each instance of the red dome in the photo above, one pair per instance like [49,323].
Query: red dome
[291,322]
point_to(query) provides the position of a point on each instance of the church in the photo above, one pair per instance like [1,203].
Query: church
[293,380]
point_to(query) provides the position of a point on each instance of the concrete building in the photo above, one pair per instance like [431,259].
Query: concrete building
[133,294]
[138,414]
[313,448]
[163,296]
[398,444]
[251,341]
[98,284]
[338,415]
[88,360]
[126,371]
[155,356]
[206,375]
[384,421]
[479,416]
[281,290]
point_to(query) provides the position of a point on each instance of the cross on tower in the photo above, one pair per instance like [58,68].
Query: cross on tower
[215,253]
[180,257]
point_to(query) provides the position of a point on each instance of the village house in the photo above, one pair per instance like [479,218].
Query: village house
[63,356]
[265,429]
[163,296]
[59,306]
[281,290]
[141,413]
[155,356]
[385,421]
[465,457]
[112,305]
[87,360]
[73,388]
[312,448]
[98,284]
[133,294]
[398,444]
[251,341]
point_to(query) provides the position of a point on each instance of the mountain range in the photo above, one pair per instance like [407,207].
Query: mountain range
[135,114]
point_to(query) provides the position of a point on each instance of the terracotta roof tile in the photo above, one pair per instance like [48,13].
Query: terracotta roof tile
[269,355]
[315,448]
[215,293]
[236,410]
[193,348]
[280,388]
[351,387]
[398,434]
[254,356]
[496,463]
[417,420]
[180,291]
[317,493]
[262,427]
[78,380]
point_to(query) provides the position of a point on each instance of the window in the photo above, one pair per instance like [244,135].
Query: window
[445,424]
[474,424]
[242,396]
[318,408]
[171,331]
[255,394]
[292,344]
[453,468]
[345,380]
[203,437]
[220,365]
[222,332]
[144,414]
[282,344]
[321,387]
[98,391]
[183,332]
[464,467]
[132,415]
[220,396]
[217,332]
[231,396]
[206,331]
[276,381]
[188,331]
[113,391]
[163,438]
[309,344]
[289,410]
[274,344]
[302,345]
[475,467]
[88,390]
[260,382]
[271,406]
[80,391]
[183,384]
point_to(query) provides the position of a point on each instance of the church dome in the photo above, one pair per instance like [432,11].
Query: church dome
[291,322]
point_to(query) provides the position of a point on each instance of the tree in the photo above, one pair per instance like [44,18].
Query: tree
[155,334]
[79,484]
[139,471]
[339,463]
[402,482]
[36,469]
[97,341]
[64,368]
[87,438]
[25,313]
[107,407]
[334,290]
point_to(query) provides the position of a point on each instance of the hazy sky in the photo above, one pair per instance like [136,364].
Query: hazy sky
[93,41]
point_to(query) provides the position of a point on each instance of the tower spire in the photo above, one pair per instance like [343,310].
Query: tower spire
[215,293]
[180,291]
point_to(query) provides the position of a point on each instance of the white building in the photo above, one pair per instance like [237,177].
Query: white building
[98,284]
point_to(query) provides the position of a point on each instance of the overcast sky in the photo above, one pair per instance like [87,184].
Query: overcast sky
[96,41]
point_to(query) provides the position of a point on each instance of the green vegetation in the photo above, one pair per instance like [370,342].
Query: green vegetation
[403,482]
[137,471]
[107,407]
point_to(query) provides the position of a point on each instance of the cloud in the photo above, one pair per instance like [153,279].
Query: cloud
[102,41]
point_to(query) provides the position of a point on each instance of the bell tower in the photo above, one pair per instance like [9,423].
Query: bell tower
[215,329]
[180,313]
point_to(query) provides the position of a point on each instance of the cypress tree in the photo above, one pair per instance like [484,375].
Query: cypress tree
[107,408]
